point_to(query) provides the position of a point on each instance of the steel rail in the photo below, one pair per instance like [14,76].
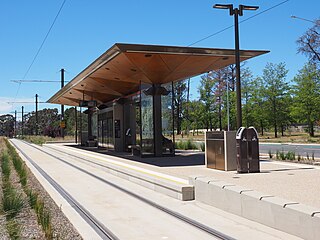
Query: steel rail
[177,215]
[98,227]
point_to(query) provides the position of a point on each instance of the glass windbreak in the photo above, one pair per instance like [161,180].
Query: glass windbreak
[167,120]
[147,134]
[106,130]
[94,125]
[137,130]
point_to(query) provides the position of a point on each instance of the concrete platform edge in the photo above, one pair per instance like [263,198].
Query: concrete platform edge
[288,216]
[184,192]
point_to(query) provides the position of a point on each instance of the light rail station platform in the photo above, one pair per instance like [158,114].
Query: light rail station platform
[283,195]
[102,195]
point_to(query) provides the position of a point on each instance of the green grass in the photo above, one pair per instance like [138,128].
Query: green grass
[43,215]
[290,155]
[14,229]
[202,146]
[5,166]
[186,145]
[18,164]
[12,202]
[39,140]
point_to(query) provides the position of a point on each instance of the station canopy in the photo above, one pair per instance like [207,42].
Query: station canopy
[120,70]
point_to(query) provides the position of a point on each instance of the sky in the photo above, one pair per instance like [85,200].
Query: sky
[85,29]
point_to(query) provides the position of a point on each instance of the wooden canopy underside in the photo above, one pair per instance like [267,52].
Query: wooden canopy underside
[120,70]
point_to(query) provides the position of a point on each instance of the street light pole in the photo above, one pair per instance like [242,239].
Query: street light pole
[237,12]
[238,83]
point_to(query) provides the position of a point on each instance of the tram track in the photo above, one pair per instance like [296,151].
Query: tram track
[97,226]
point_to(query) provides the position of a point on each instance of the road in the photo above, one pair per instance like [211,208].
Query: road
[302,149]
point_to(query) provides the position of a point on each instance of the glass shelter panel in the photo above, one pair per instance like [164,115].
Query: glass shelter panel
[105,123]
[147,128]
[167,120]
[94,125]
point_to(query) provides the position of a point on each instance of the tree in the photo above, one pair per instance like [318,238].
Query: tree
[306,106]
[207,98]
[180,91]
[275,91]
[6,125]
[309,43]
[70,119]
[259,114]
[219,88]
[48,122]
[196,120]
[247,91]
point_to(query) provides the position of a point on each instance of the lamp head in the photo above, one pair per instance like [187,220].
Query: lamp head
[244,7]
[224,6]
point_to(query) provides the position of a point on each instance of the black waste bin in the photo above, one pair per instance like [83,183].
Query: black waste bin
[247,150]
[253,150]
[242,150]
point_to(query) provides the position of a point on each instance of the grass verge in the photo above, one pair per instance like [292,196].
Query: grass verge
[43,215]
[12,202]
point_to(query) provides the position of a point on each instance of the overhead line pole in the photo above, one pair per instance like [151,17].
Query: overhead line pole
[37,115]
[62,106]
[22,122]
[15,123]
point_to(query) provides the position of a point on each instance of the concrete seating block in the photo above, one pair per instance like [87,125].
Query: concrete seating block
[304,221]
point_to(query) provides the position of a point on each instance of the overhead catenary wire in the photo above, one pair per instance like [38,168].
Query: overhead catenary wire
[42,44]
[231,26]
[36,81]
[45,38]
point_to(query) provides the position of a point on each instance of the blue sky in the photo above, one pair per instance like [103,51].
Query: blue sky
[85,29]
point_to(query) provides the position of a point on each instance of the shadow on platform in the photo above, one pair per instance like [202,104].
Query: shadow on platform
[182,158]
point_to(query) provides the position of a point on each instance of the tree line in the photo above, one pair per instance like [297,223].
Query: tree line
[269,102]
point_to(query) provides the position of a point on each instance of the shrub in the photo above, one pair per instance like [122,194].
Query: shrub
[282,155]
[12,202]
[18,164]
[291,155]
[5,165]
[14,229]
[202,146]
[44,218]
[33,198]
[270,154]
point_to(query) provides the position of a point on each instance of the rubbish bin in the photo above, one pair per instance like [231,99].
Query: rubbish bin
[242,150]
[247,150]
[253,150]
[220,150]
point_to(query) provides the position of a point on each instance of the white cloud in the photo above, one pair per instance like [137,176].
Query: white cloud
[9,104]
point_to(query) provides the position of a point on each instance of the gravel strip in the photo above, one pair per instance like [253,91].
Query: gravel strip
[3,231]
[27,218]
[63,229]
